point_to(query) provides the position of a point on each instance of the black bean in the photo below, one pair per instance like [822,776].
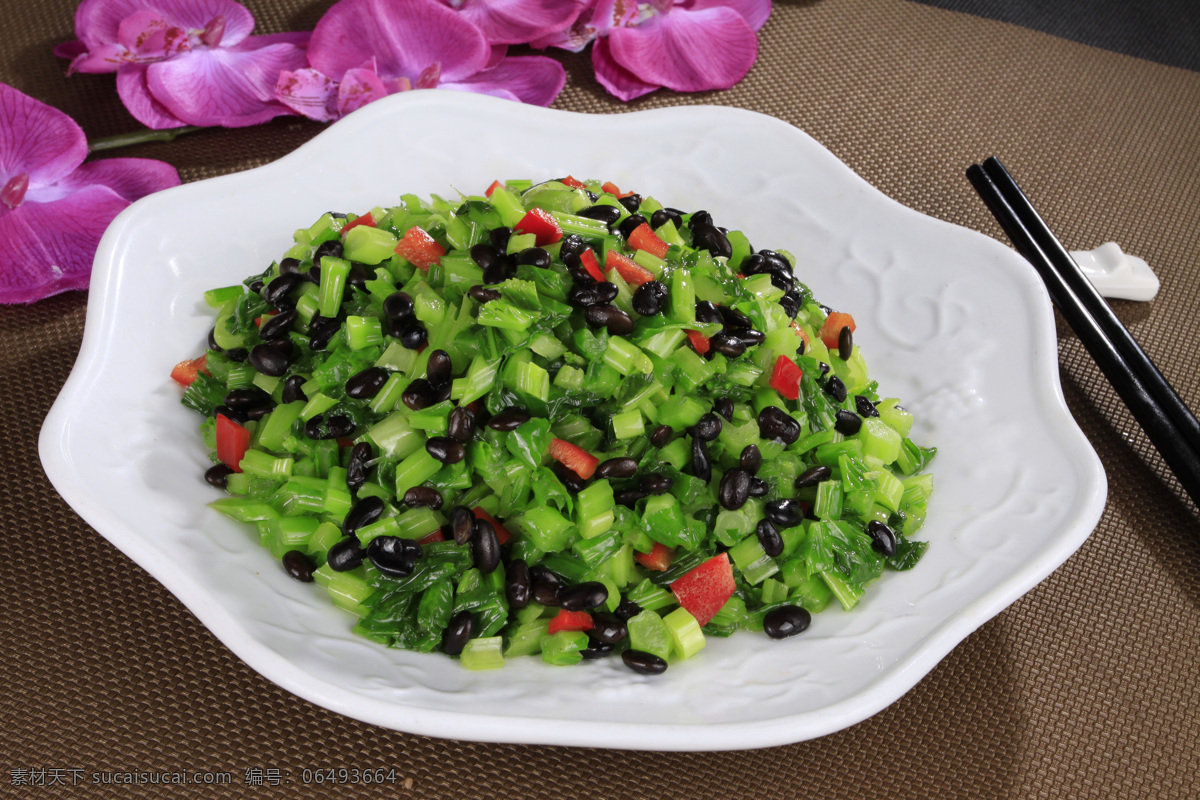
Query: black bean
[623,467]
[631,202]
[299,566]
[724,407]
[790,303]
[644,663]
[812,476]
[546,586]
[333,247]
[462,424]
[583,596]
[314,273]
[775,423]
[398,305]
[268,360]
[769,538]
[734,319]
[212,340]
[359,275]
[626,610]
[864,406]
[496,272]
[485,547]
[648,298]
[572,246]
[608,628]
[701,464]
[582,295]
[699,218]
[749,337]
[346,555]
[278,325]
[883,538]
[785,621]
[734,489]
[423,497]
[276,292]
[603,212]
[413,335]
[751,459]
[847,422]
[257,413]
[661,435]
[707,312]
[569,477]
[216,474]
[356,466]
[518,585]
[845,343]
[509,419]
[238,354]
[708,427]
[482,294]
[534,257]
[394,556]
[784,513]
[439,369]
[629,497]
[835,388]
[458,632]
[655,483]
[727,344]
[230,413]
[462,524]
[445,449]
[499,238]
[315,428]
[614,319]
[248,397]
[364,512]
[418,395]
[485,255]
[596,649]
[366,384]
[759,487]
[321,330]
[710,238]
[630,224]
[292,391]
[663,216]
[824,369]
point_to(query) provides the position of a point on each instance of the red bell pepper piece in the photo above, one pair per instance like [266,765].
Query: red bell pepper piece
[644,238]
[495,185]
[785,378]
[542,224]
[571,621]
[833,328]
[703,590]
[658,558]
[232,442]
[611,188]
[698,340]
[576,458]
[365,219]
[588,259]
[574,183]
[436,536]
[420,248]
[502,533]
[633,273]
[185,371]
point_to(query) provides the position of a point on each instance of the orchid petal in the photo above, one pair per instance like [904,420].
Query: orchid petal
[42,254]
[130,178]
[70,50]
[688,51]
[308,92]
[106,58]
[536,80]
[359,87]
[98,22]
[592,23]
[755,12]
[38,139]
[405,36]
[620,82]
[147,36]
[228,86]
[520,21]
[134,91]
[499,51]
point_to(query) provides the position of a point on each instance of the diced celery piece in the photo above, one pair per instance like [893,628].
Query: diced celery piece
[749,556]
[828,503]
[434,420]
[519,242]
[289,533]
[478,381]
[664,342]
[628,424]
[414,470]
[773,591]
[307,306]
[889,491]
[526,639]
[625,357]
[694,371]
[265,465]
[686,637]
[337,494]
[395,437]
[570,378]
[333,285]
[267,383]
[346,589]
[244,510]
[215,298]
[651,597]
[648,633]
[547,346]
[369,245]
[397,357]
[363,332]
[847,594]
[533,381]
[681,412]
[594,509]
[563,648]
[732,526]
[278,424]
[879,440]
[324,537]
[389,394]
[547,529]
[813,593]
[651,262]
[508,206]
[662,520]
[677,453]
[899,418]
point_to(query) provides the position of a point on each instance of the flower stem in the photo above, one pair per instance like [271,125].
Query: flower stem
[138,137]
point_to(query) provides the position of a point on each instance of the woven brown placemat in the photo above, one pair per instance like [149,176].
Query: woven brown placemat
[1083,688]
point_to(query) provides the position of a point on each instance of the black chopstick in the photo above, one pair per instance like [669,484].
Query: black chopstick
[1171,427]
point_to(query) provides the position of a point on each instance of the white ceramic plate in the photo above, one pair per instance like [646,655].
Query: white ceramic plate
[951,321]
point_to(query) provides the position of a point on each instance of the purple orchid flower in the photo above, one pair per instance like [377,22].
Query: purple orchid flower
[53,207]
[518,21]
[362,50]
[184,62]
